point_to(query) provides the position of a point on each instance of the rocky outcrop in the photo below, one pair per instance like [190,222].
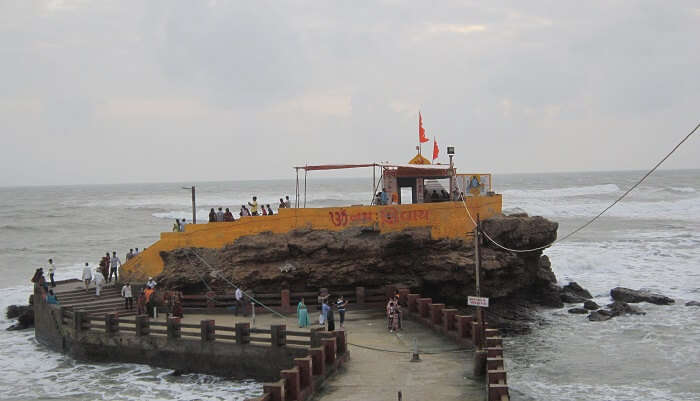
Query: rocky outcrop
[306,260]
[579,311]
[24,315]
[635,296]
[692,303]
[591,305]
[619,308]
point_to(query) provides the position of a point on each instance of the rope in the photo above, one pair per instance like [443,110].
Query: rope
[367,347]
[235,286]
[591,220]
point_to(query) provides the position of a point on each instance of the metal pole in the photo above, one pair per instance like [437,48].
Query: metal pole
[305,173]
[374,181]
[452,177]
[296,196]
[194,208]
[477,274]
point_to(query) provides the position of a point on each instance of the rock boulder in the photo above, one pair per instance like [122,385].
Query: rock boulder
[635,296]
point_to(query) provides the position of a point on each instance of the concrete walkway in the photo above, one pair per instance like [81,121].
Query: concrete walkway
[375,375]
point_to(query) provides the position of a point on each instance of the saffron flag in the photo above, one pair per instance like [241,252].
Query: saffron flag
[421,130]
[436,150]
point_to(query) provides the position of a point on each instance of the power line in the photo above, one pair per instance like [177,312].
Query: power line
[591,220]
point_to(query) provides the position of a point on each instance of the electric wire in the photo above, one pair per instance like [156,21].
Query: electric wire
[589,222]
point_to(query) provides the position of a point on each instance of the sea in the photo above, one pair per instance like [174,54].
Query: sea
[650,240]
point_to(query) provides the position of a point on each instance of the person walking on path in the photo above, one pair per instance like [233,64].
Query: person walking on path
[104,265]
[330,319]
[128,297]
[302,314]
[116,264]
[87,275]
[340,304]
[99,281]
[52,270]
[239,301]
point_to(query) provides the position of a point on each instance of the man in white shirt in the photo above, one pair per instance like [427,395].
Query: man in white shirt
[99,281]
[151,283]
[87,275]
[52,270]
[128,297]
[116,263]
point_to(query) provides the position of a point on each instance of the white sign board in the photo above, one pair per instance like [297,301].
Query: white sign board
[478,301]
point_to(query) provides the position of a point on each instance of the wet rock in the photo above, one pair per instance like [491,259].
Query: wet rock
[24,315]
[692,303]
[635,296]
[571,298]
[591,305]
[579,311]
[619,308]
[597,316]
[575,289]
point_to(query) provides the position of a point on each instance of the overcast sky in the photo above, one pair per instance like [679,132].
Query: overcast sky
[122,91]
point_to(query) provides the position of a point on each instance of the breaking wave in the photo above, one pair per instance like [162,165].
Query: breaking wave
[563,192]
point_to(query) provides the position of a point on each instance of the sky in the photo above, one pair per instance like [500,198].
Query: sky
[98,92]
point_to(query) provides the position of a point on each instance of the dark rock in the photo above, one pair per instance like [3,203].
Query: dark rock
[591,305]
[597,316]
[440,268]
[605,312]
[619,308]
[692,303]
[580,311]
[24,315]
[571,298]
[635,296]
[575,289]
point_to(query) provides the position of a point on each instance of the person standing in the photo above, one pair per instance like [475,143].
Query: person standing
[340,304]
[282,204]
[330,319]
[116,263]
[130,254]
[52,270]
[287,204]
[254,206]
[104,265]
[99,281]
[302,314]
[151,283]
[136,251]
[384,197]
[176,226]
[128,297]
[87,275]
[324,311]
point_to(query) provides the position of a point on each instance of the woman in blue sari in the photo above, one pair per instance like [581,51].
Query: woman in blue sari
[302,314]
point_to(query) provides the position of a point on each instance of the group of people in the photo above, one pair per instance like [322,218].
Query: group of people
[384,198]
[442,196]
[252,209]
[48,293]
[326,316]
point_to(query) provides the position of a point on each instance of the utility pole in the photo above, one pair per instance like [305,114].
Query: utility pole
[480,353]
[194,205]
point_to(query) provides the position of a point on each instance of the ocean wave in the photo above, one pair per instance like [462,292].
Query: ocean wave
[564,192]
[685,190]
[683,209]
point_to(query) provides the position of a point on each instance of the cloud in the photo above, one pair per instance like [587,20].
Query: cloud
[455,28]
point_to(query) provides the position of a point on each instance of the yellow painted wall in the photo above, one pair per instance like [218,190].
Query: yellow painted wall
[446,219]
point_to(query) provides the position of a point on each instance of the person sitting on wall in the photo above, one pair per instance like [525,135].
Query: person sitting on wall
[219,216]
[426,198]
[151,283]
[394,198]
[228,216]
[282,204]
[445,195]
[263,211]
[51,298]
[269,211]
[434,197]
[130,254]
[212,216]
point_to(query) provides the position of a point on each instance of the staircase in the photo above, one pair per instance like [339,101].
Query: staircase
[110,300]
